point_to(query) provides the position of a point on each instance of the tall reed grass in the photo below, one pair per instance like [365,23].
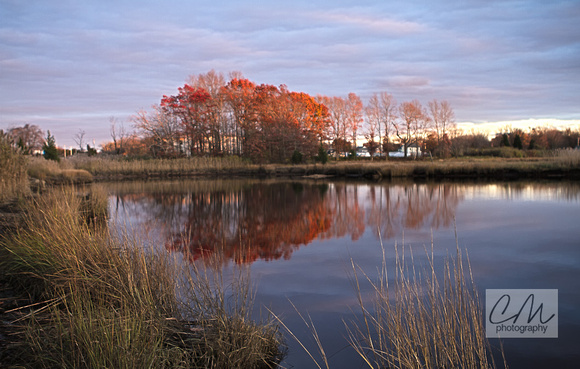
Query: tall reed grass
[421,321]
[100,301]
[418,321]
[61,172]
[115,166]
[568,157]
[13,178]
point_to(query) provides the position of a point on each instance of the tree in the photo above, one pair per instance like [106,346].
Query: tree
[239,95]
[49,148]
[412,124]
[322,154]
[381,113]
[80,139]
[28,137]
[354,115]
[518,142]
[443,119]
[118,135]
[162,131]
[505,140]
[442,116]
[217,122]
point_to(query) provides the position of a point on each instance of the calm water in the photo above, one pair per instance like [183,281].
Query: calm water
[298,239]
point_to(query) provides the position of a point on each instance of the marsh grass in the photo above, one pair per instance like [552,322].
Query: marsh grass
[568,157]
[418,321]
[13,177]
[421,321]
[100,301]
[78,168]
[60,172]
[119,166]
[223,310]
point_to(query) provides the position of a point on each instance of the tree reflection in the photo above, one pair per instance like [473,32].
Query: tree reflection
[269,221]
[260,222]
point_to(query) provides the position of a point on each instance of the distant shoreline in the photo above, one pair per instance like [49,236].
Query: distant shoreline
[565,166]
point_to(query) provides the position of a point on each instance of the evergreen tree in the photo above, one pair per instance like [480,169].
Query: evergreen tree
[296,157]
[518,142]
[49,147]
[505,140]
[322,155]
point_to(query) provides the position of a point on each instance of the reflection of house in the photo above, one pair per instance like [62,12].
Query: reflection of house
[413,150]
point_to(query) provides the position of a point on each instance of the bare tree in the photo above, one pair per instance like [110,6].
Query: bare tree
[354,115]
[118,134]
[443,118]
[412,124]
[382,110]
[164,129]
[28,137]
[79,139]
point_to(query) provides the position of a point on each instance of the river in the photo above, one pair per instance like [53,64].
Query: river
[300,239]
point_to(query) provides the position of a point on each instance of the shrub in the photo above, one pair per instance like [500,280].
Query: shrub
[296,157]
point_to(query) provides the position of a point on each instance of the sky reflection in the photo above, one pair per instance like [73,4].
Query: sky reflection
[299,238]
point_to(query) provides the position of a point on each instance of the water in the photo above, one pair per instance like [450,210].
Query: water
[299,238]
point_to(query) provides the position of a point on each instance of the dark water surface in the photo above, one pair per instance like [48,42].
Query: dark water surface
[298,239]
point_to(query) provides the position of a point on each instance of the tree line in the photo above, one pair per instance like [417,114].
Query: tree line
[211,116]
[266,123]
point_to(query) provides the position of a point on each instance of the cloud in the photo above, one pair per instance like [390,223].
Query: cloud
[491,60]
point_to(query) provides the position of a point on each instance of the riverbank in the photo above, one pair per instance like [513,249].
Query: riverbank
[561,165]
[74,293]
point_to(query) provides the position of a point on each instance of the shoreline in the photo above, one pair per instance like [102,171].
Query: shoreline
[501,170]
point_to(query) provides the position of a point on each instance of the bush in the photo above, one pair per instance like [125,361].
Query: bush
[296,157]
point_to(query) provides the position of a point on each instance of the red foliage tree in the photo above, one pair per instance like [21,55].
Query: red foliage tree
[191,105]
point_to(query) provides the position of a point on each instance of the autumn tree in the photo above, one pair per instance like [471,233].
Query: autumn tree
[191,106]
[217,122]
[238,95]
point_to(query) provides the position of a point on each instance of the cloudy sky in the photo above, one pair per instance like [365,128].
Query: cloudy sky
[71,65]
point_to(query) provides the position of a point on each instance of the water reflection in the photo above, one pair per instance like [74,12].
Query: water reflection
[517,234]
[245,221]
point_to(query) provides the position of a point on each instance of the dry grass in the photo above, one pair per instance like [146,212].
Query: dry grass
[100,301]
[13,178]
[57,172]
[477,167]
[421,321]
[568,157]
[118,166]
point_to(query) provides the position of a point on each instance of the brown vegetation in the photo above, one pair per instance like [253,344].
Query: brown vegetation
[83,297]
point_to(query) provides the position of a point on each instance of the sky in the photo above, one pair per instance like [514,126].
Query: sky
[71,65]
